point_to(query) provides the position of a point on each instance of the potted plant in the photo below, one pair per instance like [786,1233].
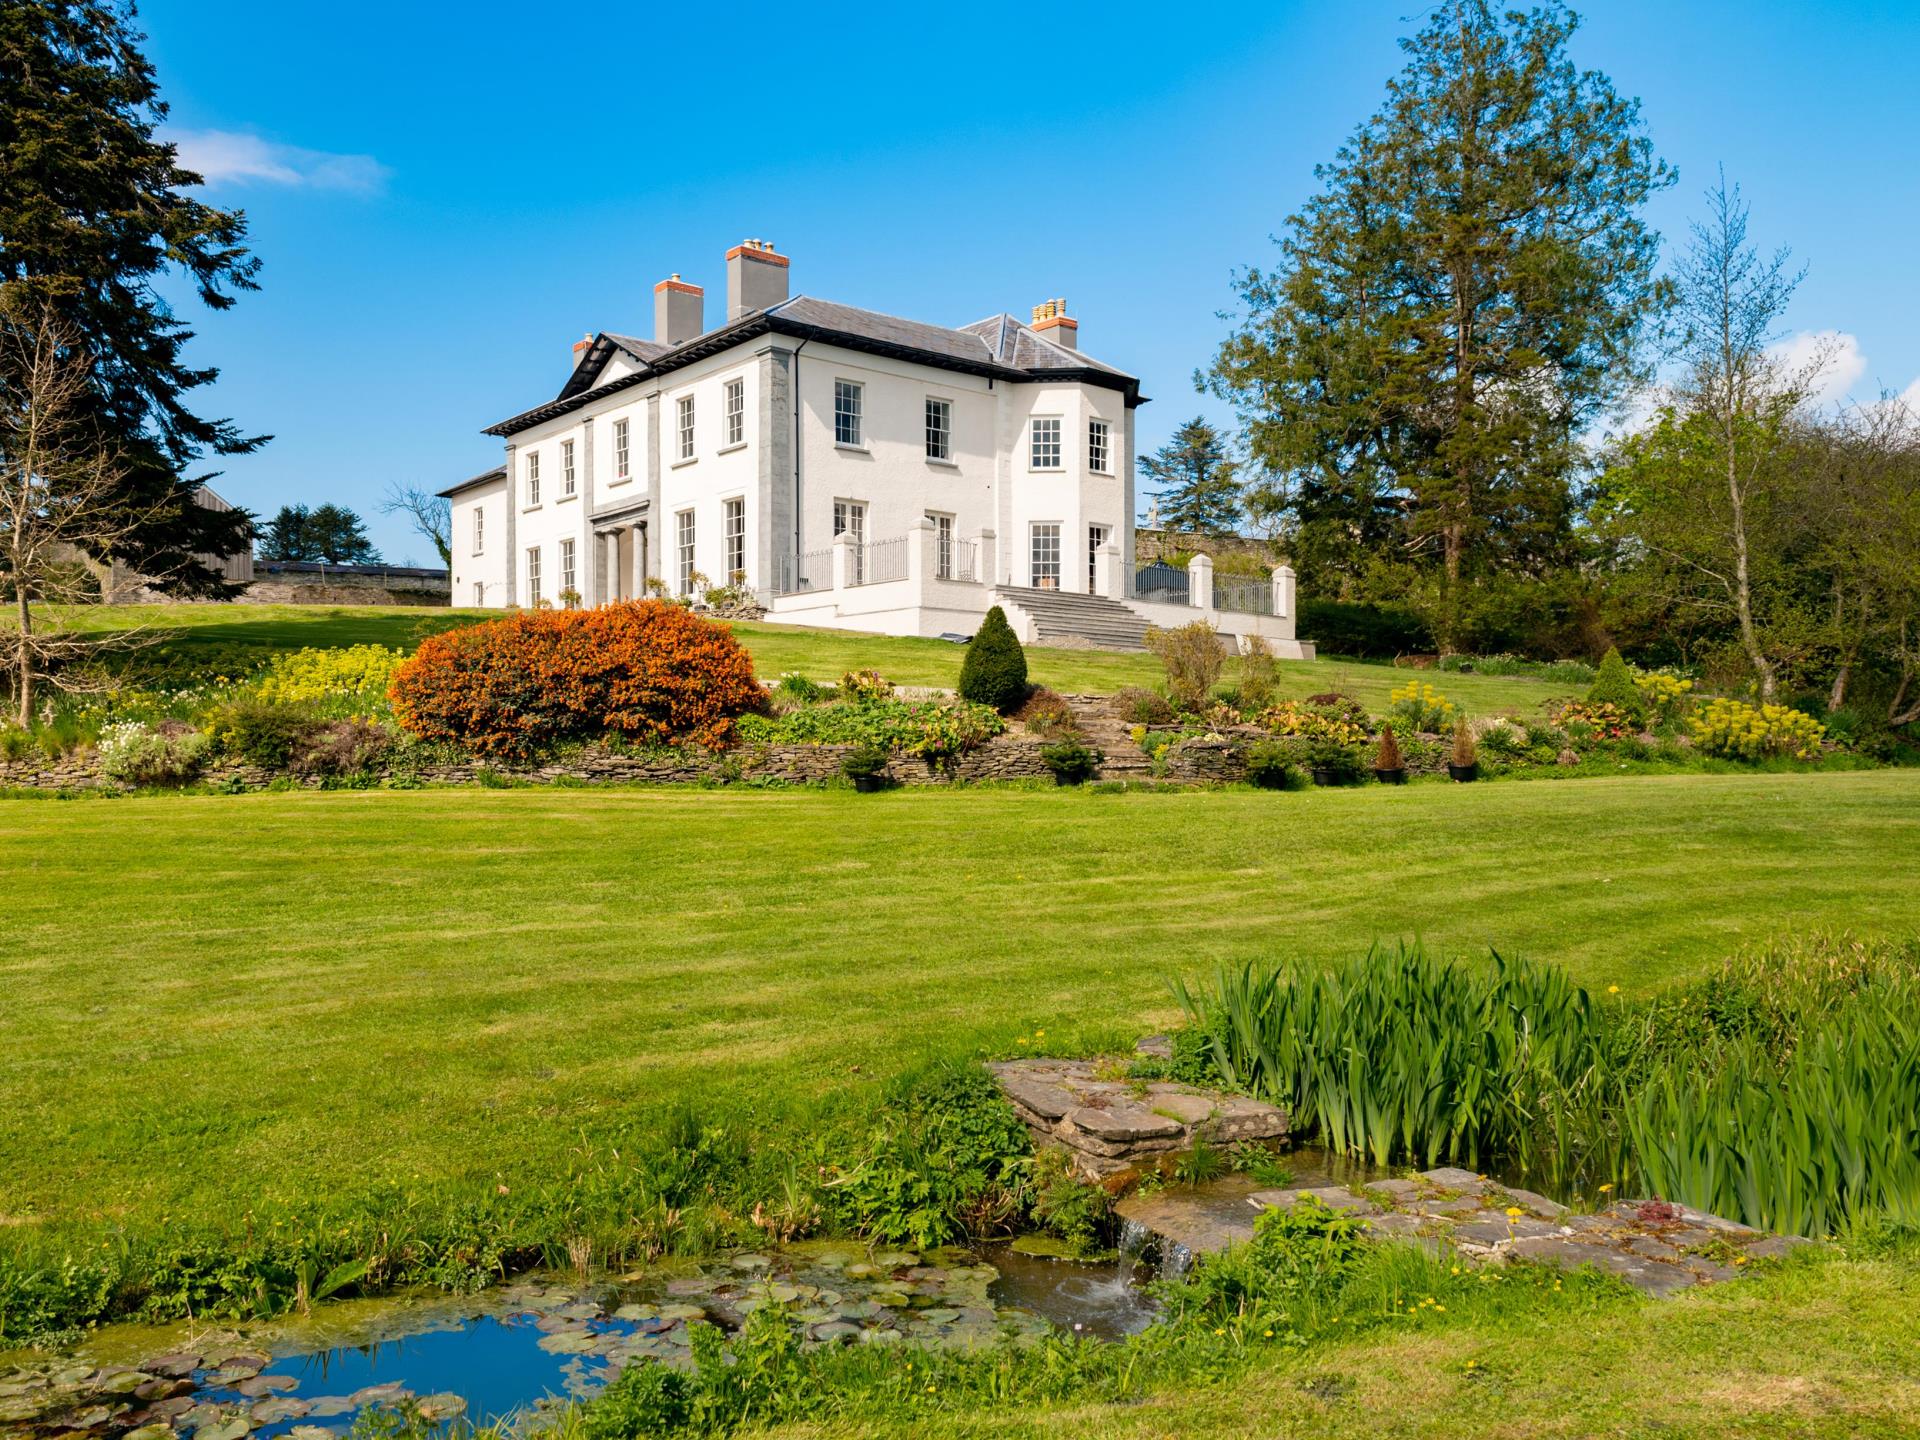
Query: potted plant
[1388,766]
[1332,762]
[866,766]
[1268,765]
[1070,761]
[1465,762]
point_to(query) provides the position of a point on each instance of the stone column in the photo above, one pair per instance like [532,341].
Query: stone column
[609,576]
[638,539]
[842,559]
[1106,571]
[1200,582]
[984,561]
[1283,592]
[923,560]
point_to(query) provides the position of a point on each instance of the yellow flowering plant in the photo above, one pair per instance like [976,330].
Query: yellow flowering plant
[1421,709]
[351,680]
[1756,732]
[1669,697]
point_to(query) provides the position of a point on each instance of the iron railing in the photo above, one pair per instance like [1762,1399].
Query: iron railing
[800,573]
[878,562]
[966,560]
[1167,584]
[1243,596]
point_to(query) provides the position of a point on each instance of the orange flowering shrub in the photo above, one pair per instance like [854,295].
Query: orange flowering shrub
[643,669]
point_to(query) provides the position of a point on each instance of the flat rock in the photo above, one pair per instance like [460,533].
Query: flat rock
[1452,1177]
[1045,1099]
[1123,1124]
[1538,1204]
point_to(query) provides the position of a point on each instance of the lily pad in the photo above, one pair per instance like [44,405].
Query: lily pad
[568,1342]
[280,1407]
[443,1406]
[235,1429]
[154,1431]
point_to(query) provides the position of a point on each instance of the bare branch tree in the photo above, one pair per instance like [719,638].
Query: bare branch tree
[431,515]
[62,500]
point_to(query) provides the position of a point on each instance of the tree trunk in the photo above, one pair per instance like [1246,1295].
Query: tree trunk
[1837,696]
[1742,582]
[23,675]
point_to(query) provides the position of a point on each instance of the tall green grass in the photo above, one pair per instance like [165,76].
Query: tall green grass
[1783,1090]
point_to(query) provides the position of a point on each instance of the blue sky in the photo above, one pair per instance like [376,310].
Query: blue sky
[445,198]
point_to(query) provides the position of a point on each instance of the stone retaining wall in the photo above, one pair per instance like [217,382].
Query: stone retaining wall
[1003,758]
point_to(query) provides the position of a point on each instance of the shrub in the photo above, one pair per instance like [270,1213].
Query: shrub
[1269,766]
[1421,709]
[1665,696]
[994,671]
[1193,661]
[864,760]
[1614,686]
[795,690]
[1142,707]
[1388,757]
[1334,760]
[1294,717]
[165,754]
[1047,715]
[1585,720]
[1500,736]
[1368,632]
[1259,674]
[1747,732]
[342,747]
[860,685]
[352,678]
[643,669]
[1465,753]
[1070,761]
[262,732]
[932,729]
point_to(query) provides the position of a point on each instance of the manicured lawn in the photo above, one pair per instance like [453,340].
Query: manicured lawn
[207,631]
[212,999]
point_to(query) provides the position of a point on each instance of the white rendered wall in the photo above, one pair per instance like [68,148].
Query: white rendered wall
[487,566]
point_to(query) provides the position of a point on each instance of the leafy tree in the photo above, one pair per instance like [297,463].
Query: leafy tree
[1714,495]
[1613,685]
[994,671]
[1198,491]
[1465,295]
[94,211]
[329,533]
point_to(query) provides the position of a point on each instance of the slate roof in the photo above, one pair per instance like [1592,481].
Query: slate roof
[999,347]
[498,472]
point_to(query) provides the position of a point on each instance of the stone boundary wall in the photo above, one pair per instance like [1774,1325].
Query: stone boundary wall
[1003,758]
[343,588]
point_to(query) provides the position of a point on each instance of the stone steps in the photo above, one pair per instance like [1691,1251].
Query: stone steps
[1060,616]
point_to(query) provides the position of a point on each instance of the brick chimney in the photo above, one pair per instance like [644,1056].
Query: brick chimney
[756,277]
[580,349]
[1050,319]
[679,311]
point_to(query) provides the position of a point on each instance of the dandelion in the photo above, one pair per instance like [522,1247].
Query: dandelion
[1606,1189]
[1514,1212]
[1613,989]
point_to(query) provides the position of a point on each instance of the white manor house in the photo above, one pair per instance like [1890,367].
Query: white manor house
[854,470]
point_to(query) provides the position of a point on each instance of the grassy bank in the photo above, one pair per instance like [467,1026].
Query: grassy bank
[209,631]
[221,1000]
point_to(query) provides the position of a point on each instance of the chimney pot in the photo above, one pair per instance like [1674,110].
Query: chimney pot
[756,277]
[1050,318]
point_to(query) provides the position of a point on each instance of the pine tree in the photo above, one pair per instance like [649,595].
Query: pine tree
[285,536]
[339,537]
[1467,293]
[1198,491]
[94,211]
[1613,685]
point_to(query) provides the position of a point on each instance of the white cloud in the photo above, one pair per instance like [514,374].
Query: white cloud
[1910,397]
[1834,356]
[232,157]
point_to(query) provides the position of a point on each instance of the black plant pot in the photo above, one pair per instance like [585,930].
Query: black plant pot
[869,784]
[1329,775]
[1464,773]
[1391,777]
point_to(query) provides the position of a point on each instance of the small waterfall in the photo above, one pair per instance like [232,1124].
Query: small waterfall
[1175,1260]
[1133,1239]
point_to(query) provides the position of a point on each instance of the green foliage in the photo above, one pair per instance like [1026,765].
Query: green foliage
[1079,1212]
[1259,675]
[865,685]
[1363,631]
[1334,761]
[329,534]
[795,690]
[864,760]
[1071,761]
[935,730]
[263,732]
[1138,706]
[1418,708]
[994,672]
[1193,660]
[1294,1267]
[1193,478]
[164,754]
[1269,765]
[1614,685]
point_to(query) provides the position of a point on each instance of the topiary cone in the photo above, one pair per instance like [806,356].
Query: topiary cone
[995,669]
[1465,752]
